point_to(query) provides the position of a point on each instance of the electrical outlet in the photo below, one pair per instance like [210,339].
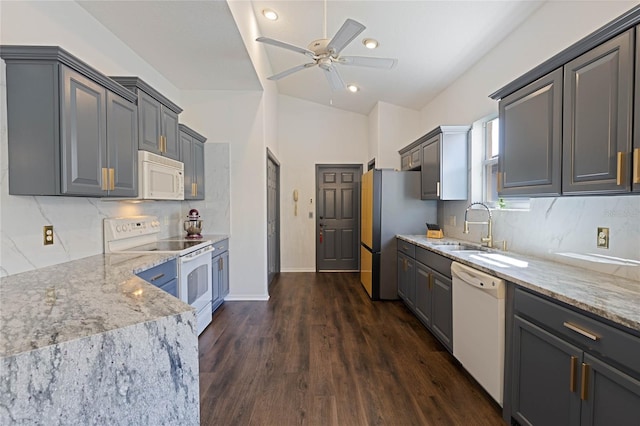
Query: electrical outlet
[47,232]
[603,238]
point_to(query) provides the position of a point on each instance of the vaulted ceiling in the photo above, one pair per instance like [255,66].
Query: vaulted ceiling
[197,45]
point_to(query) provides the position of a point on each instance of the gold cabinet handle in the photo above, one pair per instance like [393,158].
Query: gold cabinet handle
[572,374]
[636,165]
[584,387]
[500,181]
[437,189]
[621,169]
[112,179]
[221,263]
[581,331]
[105,181]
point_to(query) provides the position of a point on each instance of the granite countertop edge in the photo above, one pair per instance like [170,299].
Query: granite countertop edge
[607,296]
[80,298]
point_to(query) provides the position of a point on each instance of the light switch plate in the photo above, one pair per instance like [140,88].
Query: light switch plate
[603,238]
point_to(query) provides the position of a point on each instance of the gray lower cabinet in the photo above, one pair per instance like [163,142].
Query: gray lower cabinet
[163,276]
[192,155]
[531,139]
[157,119]
[406,279]
[71,130]
[570,369]
[597,132]
[444,164]
[220,273]
[424,284]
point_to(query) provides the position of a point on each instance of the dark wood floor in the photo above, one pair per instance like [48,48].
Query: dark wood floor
[321,353]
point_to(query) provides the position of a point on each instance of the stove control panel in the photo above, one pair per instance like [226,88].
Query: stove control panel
[123,232]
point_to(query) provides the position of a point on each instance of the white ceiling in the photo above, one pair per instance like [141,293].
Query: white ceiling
[200,46]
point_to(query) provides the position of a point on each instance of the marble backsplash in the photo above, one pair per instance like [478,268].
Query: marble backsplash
[564,229]
[77,221]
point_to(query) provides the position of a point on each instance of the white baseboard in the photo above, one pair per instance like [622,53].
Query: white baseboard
[246,298]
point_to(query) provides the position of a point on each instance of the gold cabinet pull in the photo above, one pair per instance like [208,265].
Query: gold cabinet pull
[584,387]
[621,168]
[500,181]
[105,181]
[636,165]
[438,189]
[112,179]
[572,374]
[581,331]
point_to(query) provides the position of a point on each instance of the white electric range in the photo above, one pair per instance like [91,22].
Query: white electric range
[140,234]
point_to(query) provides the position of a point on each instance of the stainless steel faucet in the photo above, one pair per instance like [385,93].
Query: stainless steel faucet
[489,238]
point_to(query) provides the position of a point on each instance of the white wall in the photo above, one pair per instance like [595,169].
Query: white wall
[77,221]
[397,127]
[311,134]
[553,225]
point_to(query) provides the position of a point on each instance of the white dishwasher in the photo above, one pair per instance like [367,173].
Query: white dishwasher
[478,326]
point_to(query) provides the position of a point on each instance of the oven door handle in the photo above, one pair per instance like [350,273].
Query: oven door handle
[196,254]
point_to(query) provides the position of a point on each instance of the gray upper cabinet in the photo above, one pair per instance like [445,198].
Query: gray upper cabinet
[531,139]
[635,183]
[410,158]
[444,164]
[71,130]
[192,155]
[598,99]
[157,118]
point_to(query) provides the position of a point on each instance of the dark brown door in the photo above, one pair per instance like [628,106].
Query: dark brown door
[338,217]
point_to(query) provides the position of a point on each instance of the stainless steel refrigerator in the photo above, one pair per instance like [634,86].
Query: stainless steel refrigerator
[391,205]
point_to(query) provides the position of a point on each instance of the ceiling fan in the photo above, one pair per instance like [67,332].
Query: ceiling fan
[325,54]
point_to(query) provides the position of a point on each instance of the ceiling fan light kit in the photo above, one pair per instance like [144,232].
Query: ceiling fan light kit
[325,53]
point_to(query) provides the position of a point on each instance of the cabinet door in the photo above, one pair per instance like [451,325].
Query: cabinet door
[542,368]
[403,284]
[149,119]
[636,126]
[405,161]
[416,157]
[430,171]
[613,397]
[84,136]
[441,309]
[215,282]
[198,173]
[597,118]
[170,132]
[224,274]
[531,138]
[122,145]
[186,156]
[423,294]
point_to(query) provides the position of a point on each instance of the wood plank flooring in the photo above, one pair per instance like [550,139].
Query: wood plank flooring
[319,352]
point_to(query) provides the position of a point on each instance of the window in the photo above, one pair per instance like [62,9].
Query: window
[490,162]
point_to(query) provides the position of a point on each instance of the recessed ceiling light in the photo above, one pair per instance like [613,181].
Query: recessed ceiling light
[370,43]
[353,88]
[270,14]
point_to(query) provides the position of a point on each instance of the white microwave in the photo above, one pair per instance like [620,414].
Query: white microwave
[159,178]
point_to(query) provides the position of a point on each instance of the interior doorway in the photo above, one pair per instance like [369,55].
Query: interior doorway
[273,216]
[338,217]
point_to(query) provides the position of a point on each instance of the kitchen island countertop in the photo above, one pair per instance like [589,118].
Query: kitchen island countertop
[608,296]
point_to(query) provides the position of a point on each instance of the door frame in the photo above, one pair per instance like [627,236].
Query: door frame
[351,166]
[271,157]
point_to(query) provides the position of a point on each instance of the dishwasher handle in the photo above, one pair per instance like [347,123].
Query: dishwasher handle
[465,275]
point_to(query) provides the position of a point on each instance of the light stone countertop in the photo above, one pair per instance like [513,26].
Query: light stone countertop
[78,299]
[608,296]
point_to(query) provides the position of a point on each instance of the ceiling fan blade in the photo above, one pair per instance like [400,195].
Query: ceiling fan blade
[290,71]
[287,46]
[334,79]
[345,35]
[366,61]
